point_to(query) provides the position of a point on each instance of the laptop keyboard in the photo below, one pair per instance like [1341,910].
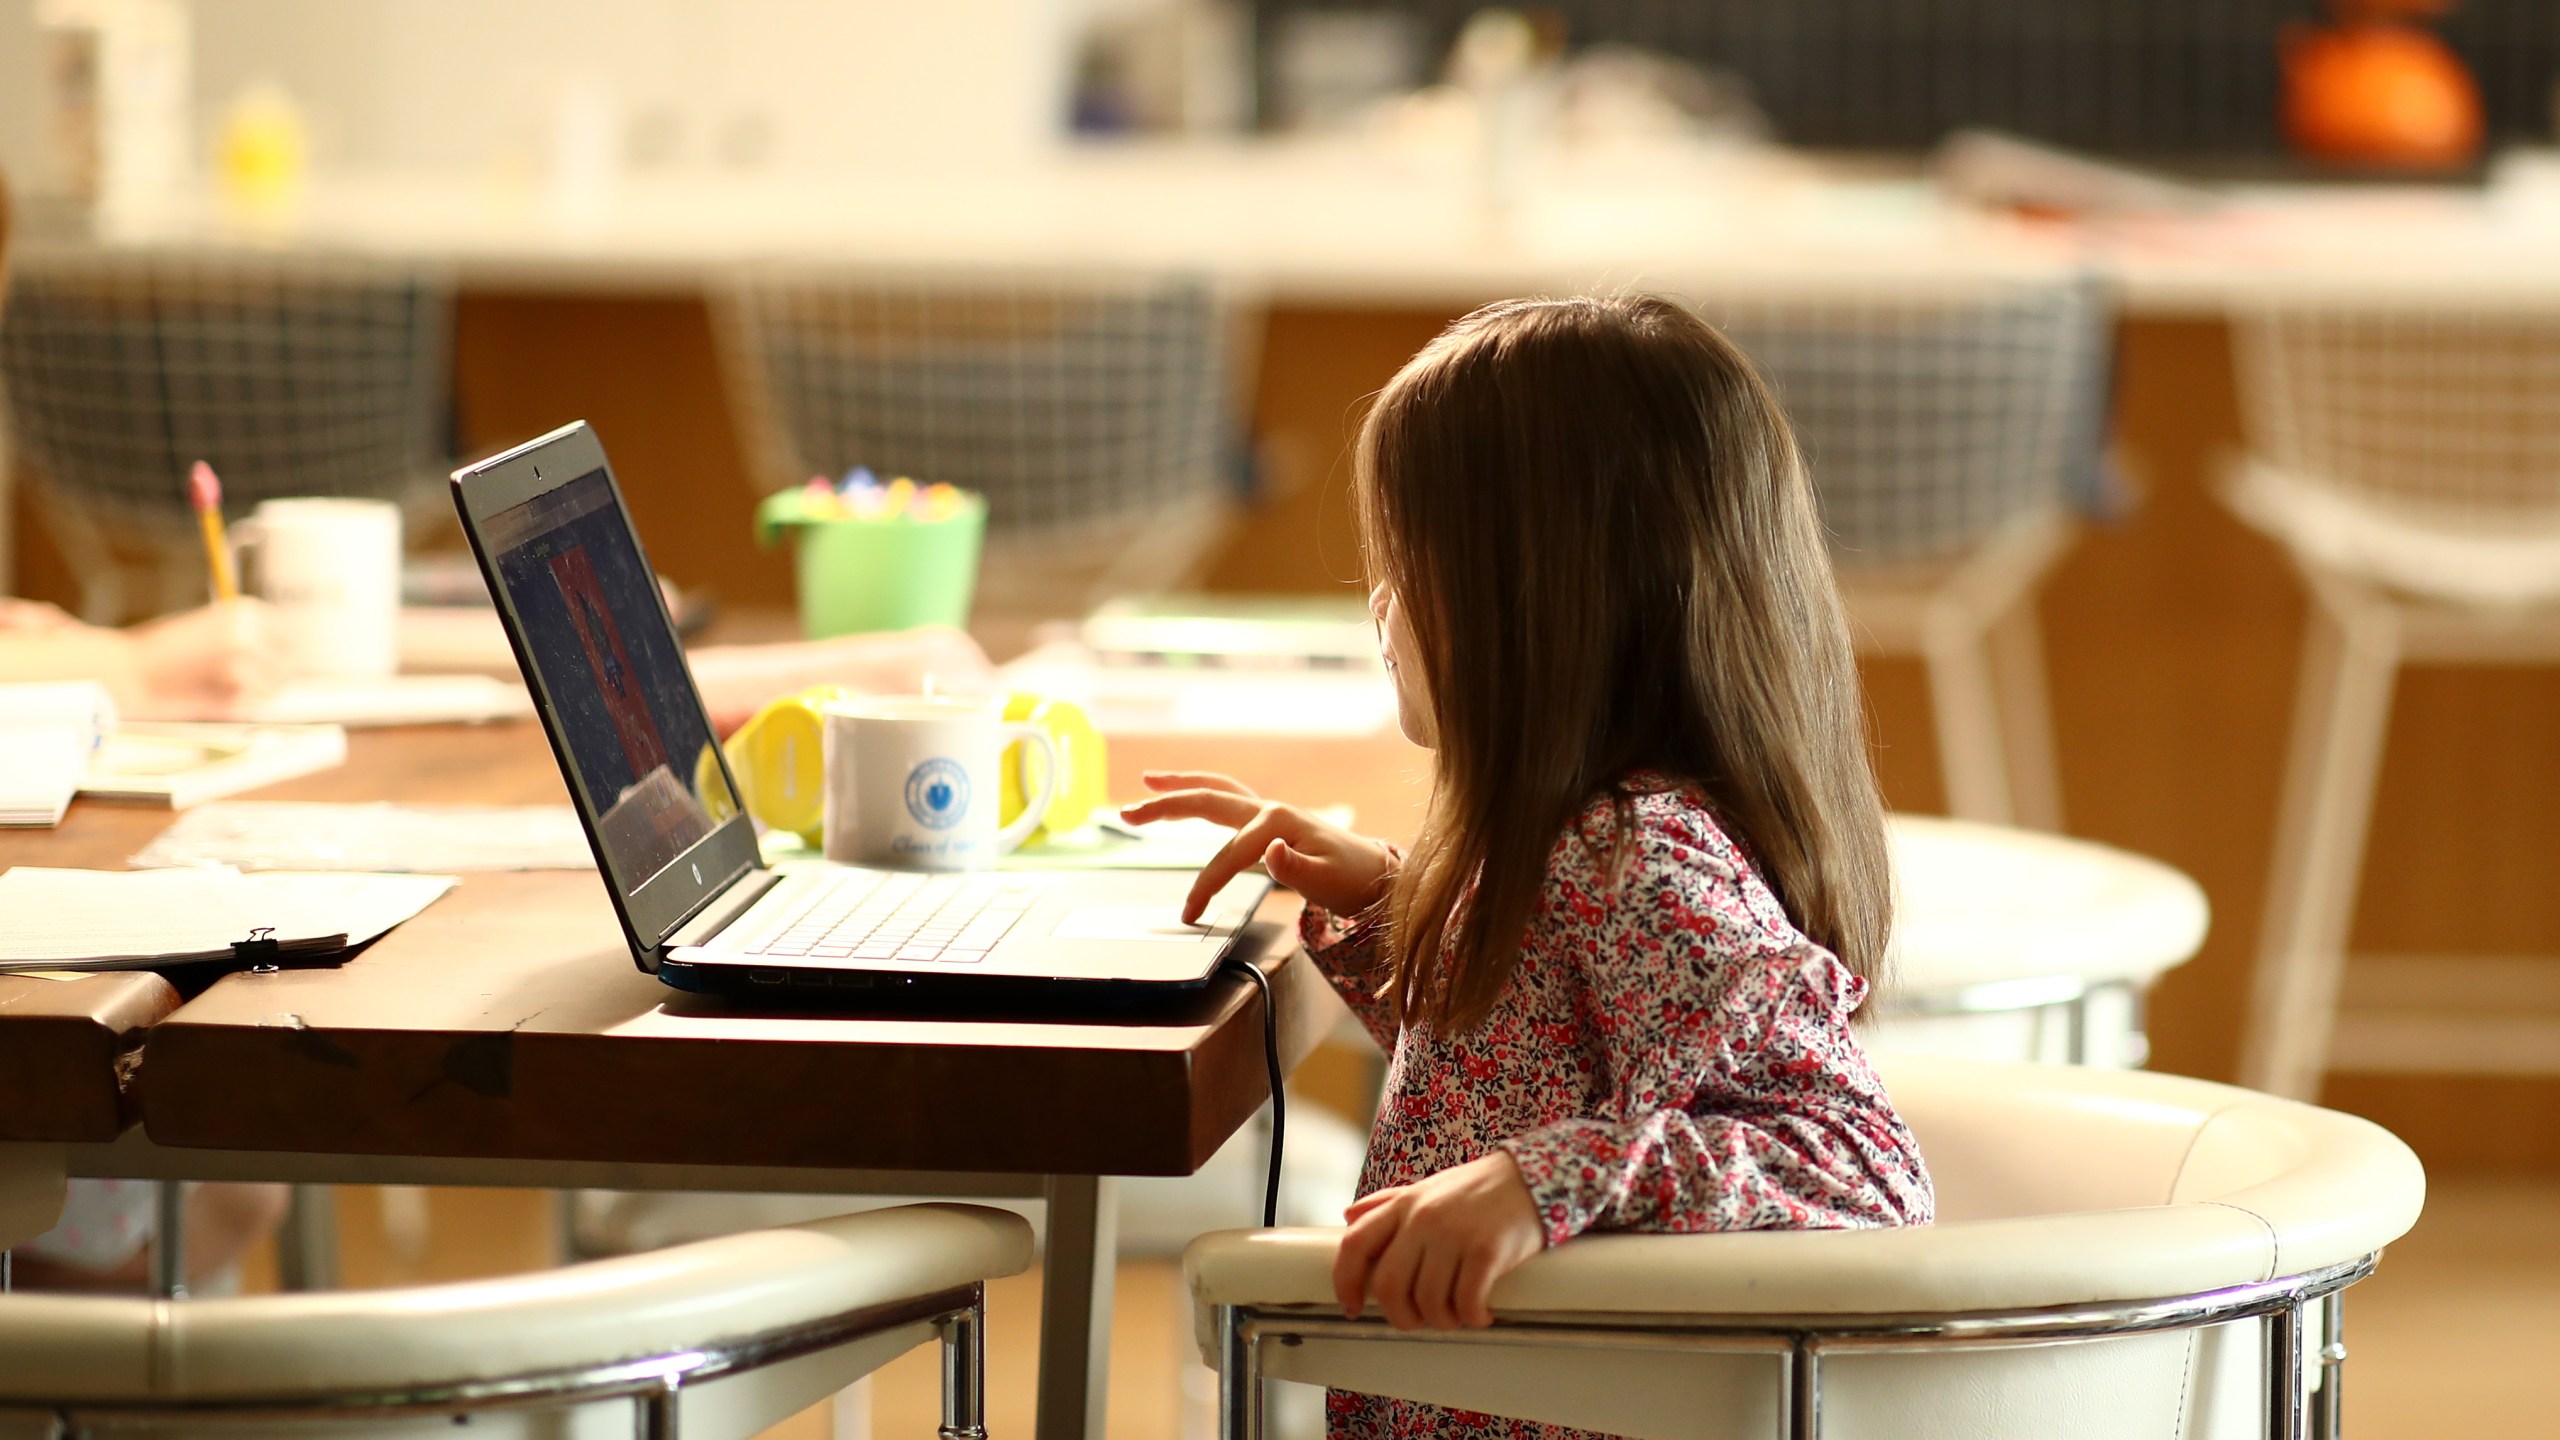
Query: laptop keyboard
[947,919]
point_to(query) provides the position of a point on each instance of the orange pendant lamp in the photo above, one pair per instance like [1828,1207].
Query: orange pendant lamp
[2375,89]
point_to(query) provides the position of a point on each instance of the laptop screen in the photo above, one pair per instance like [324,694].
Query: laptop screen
[623,704]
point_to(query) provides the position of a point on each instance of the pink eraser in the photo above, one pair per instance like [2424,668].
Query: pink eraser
[203,488]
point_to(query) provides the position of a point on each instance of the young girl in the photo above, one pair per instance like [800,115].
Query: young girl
[1617,969]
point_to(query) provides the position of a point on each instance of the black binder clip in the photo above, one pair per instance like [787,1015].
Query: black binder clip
[264,955]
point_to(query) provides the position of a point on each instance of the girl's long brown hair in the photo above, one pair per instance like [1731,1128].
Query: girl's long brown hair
[1594,518]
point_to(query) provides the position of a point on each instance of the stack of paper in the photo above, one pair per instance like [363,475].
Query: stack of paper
[47,733]
[397,700]
[177,765]
[128,919]
[307,835]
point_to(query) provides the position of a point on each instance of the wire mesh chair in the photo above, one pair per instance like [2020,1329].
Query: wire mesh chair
[1949,434]
[293,378]
[1093,413]
[2408,459]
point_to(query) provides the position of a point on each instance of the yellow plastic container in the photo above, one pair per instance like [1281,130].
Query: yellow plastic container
[781,762]
[1082,790]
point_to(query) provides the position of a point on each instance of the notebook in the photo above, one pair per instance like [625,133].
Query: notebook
[132,919]
[176,765]
[47,734]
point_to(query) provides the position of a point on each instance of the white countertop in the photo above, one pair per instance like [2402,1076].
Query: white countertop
[1337,224]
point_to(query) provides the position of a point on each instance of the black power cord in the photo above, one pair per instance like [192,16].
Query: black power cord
[1279,1096]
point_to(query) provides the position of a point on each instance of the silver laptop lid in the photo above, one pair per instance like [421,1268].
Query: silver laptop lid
[591,630]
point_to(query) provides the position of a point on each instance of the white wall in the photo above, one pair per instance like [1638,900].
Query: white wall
[474,84]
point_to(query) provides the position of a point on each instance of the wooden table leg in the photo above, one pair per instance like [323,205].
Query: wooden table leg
[1075,1306]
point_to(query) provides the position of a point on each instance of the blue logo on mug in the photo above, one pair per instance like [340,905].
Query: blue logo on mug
[938,794]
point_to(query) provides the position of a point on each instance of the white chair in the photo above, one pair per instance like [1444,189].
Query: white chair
[2408,459]
[2118,1253]
[1949,434]
[725,1337]
[2014,944]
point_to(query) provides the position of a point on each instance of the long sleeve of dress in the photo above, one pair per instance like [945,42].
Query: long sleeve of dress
[1347,951]
[1734,1097]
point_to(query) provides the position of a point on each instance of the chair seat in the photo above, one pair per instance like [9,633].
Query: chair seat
[110,1350]
[1981,904]
[2515,564]
[2058,1186]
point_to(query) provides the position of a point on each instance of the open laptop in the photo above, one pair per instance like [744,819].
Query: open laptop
[701,909]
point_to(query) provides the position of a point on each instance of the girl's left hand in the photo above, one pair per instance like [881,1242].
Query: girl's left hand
[1430,1251]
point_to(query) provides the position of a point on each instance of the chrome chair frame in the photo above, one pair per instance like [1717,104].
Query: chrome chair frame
[1797,1344]
[653,1383]
[2025,995]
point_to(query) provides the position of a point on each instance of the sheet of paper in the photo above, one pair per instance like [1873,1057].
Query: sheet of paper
[398,700]
[40,768]
[51,918]
[436,839]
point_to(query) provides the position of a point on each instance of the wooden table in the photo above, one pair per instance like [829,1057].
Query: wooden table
[504,1037]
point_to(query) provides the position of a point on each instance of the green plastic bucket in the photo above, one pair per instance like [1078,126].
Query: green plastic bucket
[891,573]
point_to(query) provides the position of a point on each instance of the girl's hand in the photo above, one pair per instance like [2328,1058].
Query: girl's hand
[1430,1251]
[1335,869]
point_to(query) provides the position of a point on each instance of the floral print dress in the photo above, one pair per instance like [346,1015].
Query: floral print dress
[1671,1054]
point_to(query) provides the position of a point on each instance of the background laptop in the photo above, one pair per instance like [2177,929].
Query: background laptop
[644,767]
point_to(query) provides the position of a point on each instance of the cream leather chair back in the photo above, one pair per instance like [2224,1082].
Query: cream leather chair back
[2119,1254]
[725,1337]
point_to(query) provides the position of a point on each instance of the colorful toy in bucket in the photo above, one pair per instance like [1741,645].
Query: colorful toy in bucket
[780,760]
[878,557]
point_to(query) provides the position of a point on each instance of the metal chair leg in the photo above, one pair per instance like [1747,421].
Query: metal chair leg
[2329,1402]
[169,1240]
[2350,659]
[307,1250]
[1802,1416]
[1239,1379]
[2284,1374]
[658,1406]
[964,1373]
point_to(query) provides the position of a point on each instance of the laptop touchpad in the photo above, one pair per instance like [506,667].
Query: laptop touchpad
[1126,922]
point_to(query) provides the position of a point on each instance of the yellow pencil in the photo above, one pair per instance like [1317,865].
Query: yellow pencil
[206,491]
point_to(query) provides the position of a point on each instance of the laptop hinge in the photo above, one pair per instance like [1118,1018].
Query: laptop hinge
[725,907]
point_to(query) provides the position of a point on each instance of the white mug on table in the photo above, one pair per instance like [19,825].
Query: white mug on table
[331,569]
[912,782]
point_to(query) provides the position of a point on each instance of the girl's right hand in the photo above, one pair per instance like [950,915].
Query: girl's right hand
[1333,868]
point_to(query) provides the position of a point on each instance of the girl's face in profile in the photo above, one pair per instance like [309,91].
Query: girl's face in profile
[1396,646]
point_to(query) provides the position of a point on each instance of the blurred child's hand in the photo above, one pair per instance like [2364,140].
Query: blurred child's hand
[207,664]
[1335,869]
[1430,1251]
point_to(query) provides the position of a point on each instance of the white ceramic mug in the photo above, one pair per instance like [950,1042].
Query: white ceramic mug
[912,782]
[331,569]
